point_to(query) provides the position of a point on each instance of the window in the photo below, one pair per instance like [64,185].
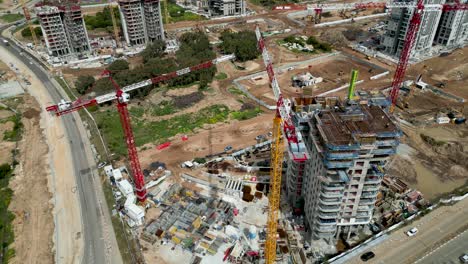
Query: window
[358,172]
[360,163]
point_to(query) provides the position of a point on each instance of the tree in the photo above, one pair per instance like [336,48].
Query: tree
[118,66]
[83,83]
[312,41]
[102,19]
[26,32]
[154,50]
[243,44]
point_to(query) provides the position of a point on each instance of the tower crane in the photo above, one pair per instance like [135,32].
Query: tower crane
[282,125]
[27,15]
[114,25]
[122,97]
[411,33]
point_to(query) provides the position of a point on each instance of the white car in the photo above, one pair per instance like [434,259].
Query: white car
[413,231]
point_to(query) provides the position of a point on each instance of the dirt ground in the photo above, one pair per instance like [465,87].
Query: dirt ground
[33,224]
[238,134]
[6,146]
[335,71]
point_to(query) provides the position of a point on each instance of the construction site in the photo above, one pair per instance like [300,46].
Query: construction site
[331,134]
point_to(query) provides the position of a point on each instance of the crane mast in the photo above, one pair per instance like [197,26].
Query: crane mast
[122,97]
[282,124]
[27,15]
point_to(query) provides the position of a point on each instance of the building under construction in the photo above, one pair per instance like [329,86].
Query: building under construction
[448,29]
[226,7]
[349,145]
[141,21]
[63,28]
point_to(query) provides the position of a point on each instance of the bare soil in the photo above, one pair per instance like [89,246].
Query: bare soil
[33,224]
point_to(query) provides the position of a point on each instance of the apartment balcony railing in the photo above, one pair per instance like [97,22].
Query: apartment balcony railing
[326,221]
[328,215]
[388,151]
[330,201]
[371,187]
[372,179]
[388,142]
[341,155]
[331,194]
[333,187]
[367,201]
[329,208]
[369,194]
[324,228]
[336,164]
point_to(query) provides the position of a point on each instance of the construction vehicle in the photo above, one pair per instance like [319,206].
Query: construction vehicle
[282,125]
[410,33]
[27,15]
[121,95]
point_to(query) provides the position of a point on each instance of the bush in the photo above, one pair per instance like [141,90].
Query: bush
[154,50]
[83,83]
[324,47]
[312,41]
[117,66]
[102,19]
[187,100]
[26,33]
[243,44]
[199,160]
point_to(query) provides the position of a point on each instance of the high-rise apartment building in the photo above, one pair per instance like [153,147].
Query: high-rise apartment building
[141,21]
[226,7]
[397,26]
[63,29]
[453,29]
[349,145]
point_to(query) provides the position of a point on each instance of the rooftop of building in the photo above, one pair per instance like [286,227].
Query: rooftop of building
[346,122]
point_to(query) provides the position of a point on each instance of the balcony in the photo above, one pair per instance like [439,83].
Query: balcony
[336,165]
[386,151]
[330,201]
[341,155]
[333,187]
[369,194]
[342,147]
[387,143]
[368,201]
[372,179]
[328,215]
[322,228]
[329,208]
[371,187]
[326,221]
[331,194]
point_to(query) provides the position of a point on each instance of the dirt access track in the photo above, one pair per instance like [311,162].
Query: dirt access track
[33,224]
[335,70]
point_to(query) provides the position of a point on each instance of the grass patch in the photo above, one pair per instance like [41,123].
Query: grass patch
[177,13]
[66,88]
[164,108]
[8,18]
[15,133]
[157,131]
[6,217]
[236,91]
[221,76]
[246,114]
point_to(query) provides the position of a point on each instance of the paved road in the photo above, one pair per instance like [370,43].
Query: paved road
[95,250]
[435,229]
[448,252]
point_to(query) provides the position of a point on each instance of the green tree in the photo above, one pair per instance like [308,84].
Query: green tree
[243,44]
[102,19]
[83,83]
[118,66]
[154,50]
[26,32]
[312,41]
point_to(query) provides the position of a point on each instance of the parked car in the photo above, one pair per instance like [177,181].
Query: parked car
[464,258]
[227,148]
[368,255]
[102,164]
[412,232]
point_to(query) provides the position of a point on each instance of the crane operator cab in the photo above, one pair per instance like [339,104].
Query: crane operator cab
[64,105]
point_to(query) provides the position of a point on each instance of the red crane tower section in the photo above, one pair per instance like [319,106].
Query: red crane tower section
[122,97]
[406,53]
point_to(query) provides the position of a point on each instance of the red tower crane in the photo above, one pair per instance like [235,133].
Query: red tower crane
[122,97]
[411,33]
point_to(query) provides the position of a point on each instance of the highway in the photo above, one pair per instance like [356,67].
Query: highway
[448,252]
[97,227]
[436,231]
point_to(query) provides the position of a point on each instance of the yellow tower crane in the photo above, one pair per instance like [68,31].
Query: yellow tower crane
[27,15]
[282,125]
[166,14]
[114,25]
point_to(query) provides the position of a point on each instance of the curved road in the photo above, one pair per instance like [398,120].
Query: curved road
[97,226]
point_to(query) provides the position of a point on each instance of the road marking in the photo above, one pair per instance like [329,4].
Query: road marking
[434,250]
